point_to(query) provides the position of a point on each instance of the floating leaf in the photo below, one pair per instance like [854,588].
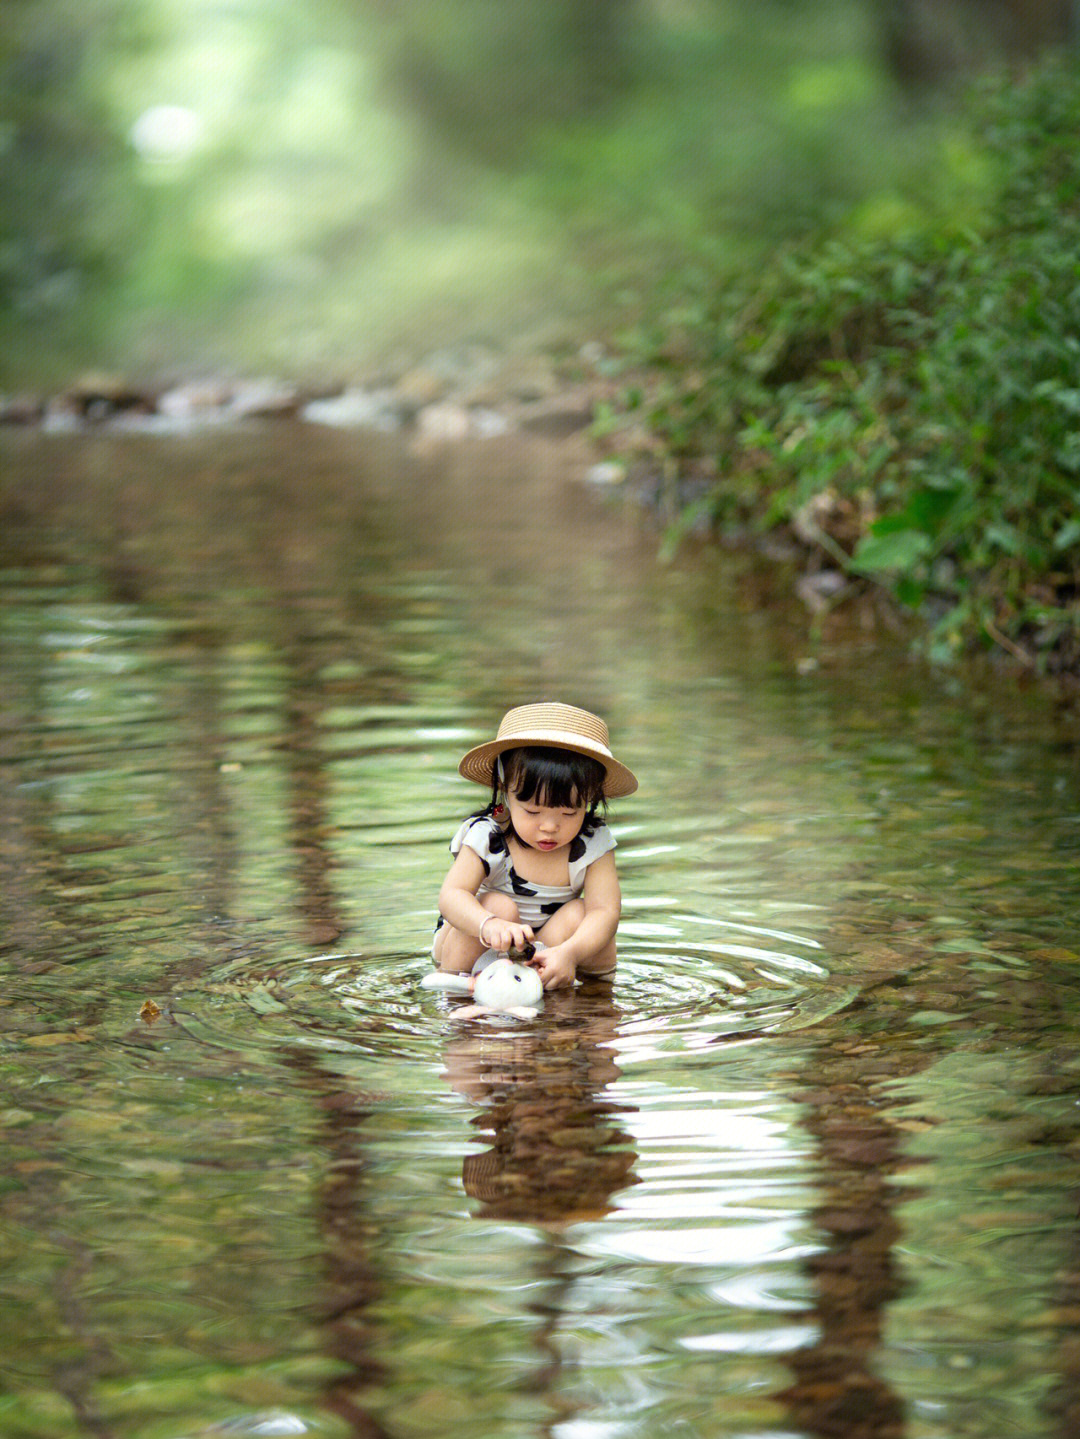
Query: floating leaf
[149,1012]
[66,1036]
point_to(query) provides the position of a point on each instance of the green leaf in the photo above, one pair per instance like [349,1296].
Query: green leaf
[910,592]
[1005,537]
[927,508]
[898,550]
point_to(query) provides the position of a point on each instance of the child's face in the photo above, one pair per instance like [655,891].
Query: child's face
[542,826]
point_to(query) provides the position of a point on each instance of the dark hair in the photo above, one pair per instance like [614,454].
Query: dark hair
[556,777]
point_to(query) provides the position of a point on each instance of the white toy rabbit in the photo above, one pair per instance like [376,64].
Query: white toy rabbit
[498,986]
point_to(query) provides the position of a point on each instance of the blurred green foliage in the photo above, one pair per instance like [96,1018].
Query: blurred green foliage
[345,181]
[66,217]
[486,77]
[911,406]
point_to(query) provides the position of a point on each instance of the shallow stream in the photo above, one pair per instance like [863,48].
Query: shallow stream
[810,1167]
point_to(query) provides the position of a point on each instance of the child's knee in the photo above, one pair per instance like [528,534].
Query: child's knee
[502,906]
[574,912]
[563,922]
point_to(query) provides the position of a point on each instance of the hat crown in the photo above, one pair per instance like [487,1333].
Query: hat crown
[554,719]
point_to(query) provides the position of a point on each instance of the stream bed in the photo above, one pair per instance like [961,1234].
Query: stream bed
[811,1167]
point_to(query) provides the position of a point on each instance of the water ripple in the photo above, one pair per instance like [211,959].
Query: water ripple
[667,997]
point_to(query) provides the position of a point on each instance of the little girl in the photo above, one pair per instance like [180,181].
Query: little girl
[538,862]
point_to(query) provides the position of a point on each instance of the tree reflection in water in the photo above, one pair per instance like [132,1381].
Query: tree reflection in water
[836,1393]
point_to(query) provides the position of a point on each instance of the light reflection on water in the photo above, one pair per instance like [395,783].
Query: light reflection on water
[808,1168]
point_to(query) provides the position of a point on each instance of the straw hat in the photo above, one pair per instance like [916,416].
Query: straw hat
[551,726]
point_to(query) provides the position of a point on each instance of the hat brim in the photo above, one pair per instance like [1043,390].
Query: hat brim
[479,764]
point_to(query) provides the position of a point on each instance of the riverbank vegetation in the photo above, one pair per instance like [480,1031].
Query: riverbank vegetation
[906,407]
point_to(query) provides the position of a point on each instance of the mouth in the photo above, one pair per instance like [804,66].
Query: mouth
[546,844]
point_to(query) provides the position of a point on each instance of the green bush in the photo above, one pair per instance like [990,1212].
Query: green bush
[912,407]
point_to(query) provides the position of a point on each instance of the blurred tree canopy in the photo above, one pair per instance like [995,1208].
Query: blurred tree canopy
[925,42]
[487,76]
[206,182]
[63,168]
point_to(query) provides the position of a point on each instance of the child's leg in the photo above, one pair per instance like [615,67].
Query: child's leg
[563,923]
[457,952]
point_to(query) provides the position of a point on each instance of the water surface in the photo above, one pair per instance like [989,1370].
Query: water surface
[808,1168]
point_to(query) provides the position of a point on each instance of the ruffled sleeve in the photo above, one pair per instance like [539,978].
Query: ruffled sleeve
[484,837]
[585,850]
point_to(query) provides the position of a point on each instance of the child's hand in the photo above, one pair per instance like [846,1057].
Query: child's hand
[557,968]
[501,935]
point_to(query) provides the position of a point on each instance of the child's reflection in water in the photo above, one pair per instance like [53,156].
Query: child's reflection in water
[558,1150]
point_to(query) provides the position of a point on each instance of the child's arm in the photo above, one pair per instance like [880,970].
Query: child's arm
[460,907]
[603,905]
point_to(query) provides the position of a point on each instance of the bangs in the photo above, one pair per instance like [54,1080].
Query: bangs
[557,778]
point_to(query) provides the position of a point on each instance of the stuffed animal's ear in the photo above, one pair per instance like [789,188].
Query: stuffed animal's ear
[454,983]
